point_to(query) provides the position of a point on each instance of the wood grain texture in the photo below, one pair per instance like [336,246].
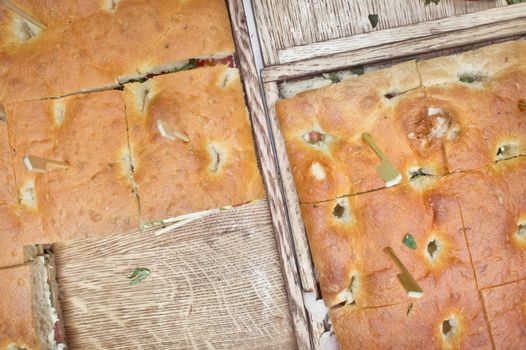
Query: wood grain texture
[301,245]
[393,51]
[266,154]
[286,24]
[393,35]
[214,284]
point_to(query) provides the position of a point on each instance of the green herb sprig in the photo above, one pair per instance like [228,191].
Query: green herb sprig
[138,275]
[409,241]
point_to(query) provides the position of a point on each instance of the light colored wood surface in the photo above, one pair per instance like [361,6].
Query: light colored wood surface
[288,24]
[267,157]
[394,35]
[396,50]
[214,284]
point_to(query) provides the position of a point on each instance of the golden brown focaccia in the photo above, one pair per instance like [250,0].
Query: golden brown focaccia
[441,319]
[17,327]
[217,167]
[136,38]
[323,133]
[506,308]
[481,95]
[493,204]
[347,238]
[94,196]
[29,316]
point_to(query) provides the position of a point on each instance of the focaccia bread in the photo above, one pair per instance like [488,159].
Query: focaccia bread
[506,308]
[471,118]
[323,133]
[482,94]
[29,318]
[133,39]
[94,195]
[216,167]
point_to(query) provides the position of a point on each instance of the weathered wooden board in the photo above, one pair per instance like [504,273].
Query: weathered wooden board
[294,23]
[215,284]
[266,150]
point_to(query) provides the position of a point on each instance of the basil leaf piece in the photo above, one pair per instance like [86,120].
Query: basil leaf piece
[138,275]
[333,76]
[427,2]
[409,241]
[358,70]
[466,78]
[374,20]
[513,2]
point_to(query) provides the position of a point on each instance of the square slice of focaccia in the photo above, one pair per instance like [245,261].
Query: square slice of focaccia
[323,133]
[348,236]
[30,317]
[17,328]
[95,194]
[493,204]
[481,97]
[213,165]
[120,40]
[506,309]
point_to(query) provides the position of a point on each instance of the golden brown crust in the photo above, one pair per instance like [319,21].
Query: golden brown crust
[95,190]
[486,111]
[342,112]
[16,323]
[493,205]
[506,308]
[416,324]
[143,37]
[353,244]
[216,168]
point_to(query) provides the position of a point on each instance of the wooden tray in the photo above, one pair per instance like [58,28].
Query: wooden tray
[221,284]
[460,26]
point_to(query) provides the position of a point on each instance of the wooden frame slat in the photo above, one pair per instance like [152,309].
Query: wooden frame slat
[305,265]
[395,35]
[267,157]
[295,23]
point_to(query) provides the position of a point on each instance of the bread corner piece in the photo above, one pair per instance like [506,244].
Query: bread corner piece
[214,165]
[481,94]
[29,312]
